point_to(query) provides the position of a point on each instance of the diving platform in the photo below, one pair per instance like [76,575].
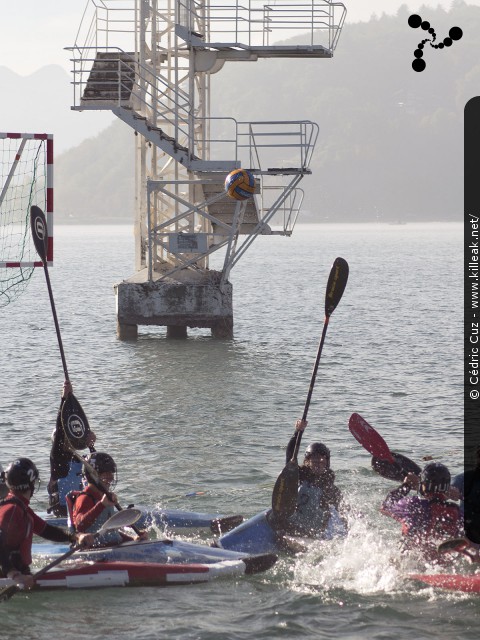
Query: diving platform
[153,64]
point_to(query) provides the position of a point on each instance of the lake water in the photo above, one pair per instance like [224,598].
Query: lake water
[214,417]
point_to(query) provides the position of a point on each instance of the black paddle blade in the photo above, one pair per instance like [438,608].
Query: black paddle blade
[257,564]
[38,225]
[285,491]
[453,544]
[222,525]
[337,281]
[7,592]
[398,469]
[74,422]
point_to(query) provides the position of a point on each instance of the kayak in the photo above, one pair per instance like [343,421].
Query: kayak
[156,551]
[172,519]
[86,575]
[453,582]
[258,535]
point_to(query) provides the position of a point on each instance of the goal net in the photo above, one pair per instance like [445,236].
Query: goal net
[26,179]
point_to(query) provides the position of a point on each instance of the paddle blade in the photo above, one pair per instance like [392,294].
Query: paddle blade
[285,491]
[396,471]
[74,422]
[369,438]
[337,281]
[227,523]
[123,518]
[257,564]
[38,225]
[457,545]
[7,592]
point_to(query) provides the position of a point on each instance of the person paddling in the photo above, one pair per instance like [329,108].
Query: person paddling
[429,517]
[89,509]
[65,469]
[466,488]
[317,512]
[18,524]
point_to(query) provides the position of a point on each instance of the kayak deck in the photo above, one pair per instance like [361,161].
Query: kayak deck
[173,519]
[453,582]
[85,575]
[154,551]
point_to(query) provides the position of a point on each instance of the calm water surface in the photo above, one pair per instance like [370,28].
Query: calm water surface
[210,416]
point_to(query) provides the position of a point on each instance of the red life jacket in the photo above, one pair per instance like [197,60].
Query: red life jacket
[70,500]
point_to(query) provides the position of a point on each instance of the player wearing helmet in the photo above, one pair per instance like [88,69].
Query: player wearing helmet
[65,470]
[18,523]
[319,500]
[429,517]
[91,508]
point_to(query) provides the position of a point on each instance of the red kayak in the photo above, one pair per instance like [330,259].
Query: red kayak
[469,583]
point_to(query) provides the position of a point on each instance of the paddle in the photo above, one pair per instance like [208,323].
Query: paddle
[389,465]
[284,496]
[460,545]
[75,421]
[124,519]
[397,471]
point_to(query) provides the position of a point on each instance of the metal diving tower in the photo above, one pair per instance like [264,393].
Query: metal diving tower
[152,63]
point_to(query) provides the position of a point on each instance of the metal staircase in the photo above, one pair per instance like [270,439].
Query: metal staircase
[151,62]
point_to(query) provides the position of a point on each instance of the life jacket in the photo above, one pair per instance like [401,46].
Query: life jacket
[103,539]
[70,498]
[314,514]
[71,482]
[17,556]
[438,519]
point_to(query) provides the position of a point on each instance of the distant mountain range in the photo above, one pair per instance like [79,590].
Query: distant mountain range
[40,103]
[391,140]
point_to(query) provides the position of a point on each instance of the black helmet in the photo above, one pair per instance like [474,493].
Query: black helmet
[22,474]
[319,449]
[435,478]
[102,463]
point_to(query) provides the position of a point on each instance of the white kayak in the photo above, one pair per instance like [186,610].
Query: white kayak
[84,575]
[155,551]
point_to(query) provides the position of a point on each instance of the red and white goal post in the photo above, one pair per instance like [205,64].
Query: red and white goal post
[26,179]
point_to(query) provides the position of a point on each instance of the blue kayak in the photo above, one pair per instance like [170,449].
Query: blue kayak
[173,519]
[258,534]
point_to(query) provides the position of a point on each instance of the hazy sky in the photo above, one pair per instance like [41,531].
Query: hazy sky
[33,33]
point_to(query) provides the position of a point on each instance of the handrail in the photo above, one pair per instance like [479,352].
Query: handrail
[168,107]
[257,23]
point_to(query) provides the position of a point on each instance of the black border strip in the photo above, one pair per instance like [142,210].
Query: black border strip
[471,294]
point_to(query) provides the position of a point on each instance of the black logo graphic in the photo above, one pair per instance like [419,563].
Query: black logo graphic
[416,21]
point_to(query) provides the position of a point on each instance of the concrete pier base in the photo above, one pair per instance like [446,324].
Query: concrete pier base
[176,332]
[189,300]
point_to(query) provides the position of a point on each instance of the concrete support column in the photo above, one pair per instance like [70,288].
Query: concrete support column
[223,330]
[196,300]
[176,332]
[127,331]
